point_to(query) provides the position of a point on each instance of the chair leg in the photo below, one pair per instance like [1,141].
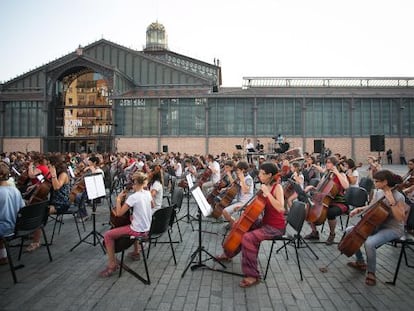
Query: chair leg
[54,228]
[178,226]
[9,257]
[297,259]
[172,248]
[268,260]
[77,227]
[47,244]
[398,265]
[145,262]
[21,248]
[122,263]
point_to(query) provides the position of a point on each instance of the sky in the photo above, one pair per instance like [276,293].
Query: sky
[261,38]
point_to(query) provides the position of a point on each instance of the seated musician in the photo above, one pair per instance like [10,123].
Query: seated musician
[408,191]
[309,170]
[91,168]
[59,194]
[351,172]
[298,177]
[214,166]
[271,225]
[245,192]
[156,187]
[36,168]
[140,202]
[190,169]
[337,205]
[392,228]
[11,202]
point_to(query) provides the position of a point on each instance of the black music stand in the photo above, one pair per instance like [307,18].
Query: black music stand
[187,193]
[205,209]
[239,147]
[95,188]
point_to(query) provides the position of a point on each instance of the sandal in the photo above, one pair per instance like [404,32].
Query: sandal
[108,271]
[4,261]
[223,258]
[32,247]
[246,282]
[361,266]
[134,256]
[370,280]
[330,239]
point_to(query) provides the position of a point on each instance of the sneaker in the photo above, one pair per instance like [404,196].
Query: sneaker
[312,236]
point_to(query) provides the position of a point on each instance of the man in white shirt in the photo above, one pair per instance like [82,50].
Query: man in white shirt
[214,166]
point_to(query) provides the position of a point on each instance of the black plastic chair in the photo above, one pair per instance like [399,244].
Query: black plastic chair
[354,197]
[177,201]
[406,242]
[71,210]
[367,184]
[29,219]
[295,219]
[159,225]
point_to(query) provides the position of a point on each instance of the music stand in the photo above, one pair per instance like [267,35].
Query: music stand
[189,217]
[95,188]
[205,209]
[239,147]
[251,150]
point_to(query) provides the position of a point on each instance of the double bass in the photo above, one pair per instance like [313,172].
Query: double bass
[252,211]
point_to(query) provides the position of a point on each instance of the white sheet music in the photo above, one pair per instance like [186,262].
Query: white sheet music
[95,187]
[72,174]
[189,180]
[198,195]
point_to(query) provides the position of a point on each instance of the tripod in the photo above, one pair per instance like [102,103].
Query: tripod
[96,235]
[199,263]
[200,249]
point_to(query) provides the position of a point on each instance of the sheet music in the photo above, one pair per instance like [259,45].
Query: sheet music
[205,208]
[189,180]
[72,174]
[95,187]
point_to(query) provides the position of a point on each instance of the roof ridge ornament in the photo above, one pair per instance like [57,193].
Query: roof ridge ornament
[79,50]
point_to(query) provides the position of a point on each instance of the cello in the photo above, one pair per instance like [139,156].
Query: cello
[374,215]
[252,211]
[227,198]
[325,192]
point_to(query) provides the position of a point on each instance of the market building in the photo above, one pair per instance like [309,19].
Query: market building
[105,97]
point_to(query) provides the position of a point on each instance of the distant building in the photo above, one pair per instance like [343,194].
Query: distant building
[106,97]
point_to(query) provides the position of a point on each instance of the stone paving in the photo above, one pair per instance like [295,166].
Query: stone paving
[71,281]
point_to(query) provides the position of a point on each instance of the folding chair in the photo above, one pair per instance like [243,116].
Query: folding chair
[295,218]
[159,225]
[354,197]
[29,219]
[407,242]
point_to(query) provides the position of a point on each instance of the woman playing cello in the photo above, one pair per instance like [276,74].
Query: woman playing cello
[392,228]
[271,225]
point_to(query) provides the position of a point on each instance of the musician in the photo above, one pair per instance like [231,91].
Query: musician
[337,206]
[91,168]
[271,225]
[156,187]
[59,194]
[140,202]
[249,146]
[214,166]
[408,191]
[309,170]
[36,168]
[11,202]
[392,228]
[189,168]
[351,172]
[244,194]
[297,177]
[373,166]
